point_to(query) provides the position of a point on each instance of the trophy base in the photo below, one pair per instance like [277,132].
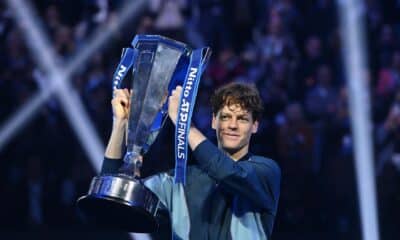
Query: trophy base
[120,202]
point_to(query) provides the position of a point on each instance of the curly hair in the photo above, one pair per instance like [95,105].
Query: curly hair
[243,94]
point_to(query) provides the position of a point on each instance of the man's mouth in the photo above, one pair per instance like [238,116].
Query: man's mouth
[231,135]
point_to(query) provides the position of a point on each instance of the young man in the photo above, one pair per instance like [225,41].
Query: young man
[229,193]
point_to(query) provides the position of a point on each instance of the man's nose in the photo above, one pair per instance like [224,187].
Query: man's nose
[233,124]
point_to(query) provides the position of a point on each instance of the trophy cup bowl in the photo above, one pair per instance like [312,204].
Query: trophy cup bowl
[126,205]
[121,200]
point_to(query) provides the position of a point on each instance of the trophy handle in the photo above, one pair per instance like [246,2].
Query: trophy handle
[128,57]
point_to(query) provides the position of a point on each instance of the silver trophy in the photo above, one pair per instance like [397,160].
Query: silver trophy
[121,200]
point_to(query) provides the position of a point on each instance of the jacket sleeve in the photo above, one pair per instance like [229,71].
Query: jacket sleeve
[257,179]
[110,166]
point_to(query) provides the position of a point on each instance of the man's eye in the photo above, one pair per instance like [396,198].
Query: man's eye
[223,117]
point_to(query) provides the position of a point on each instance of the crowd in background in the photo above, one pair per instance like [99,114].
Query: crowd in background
[291,50]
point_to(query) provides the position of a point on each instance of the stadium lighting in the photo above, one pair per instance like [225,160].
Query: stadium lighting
[352,32]
[48,60]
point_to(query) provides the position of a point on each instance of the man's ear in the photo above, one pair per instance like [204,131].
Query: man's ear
[214,122]
[254,128]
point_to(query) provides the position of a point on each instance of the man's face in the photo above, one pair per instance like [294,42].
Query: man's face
[234,127]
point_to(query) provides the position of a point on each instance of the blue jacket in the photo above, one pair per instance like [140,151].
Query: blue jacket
[222,198]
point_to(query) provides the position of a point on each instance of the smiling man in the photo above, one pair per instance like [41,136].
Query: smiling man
[234,125]
[229,192]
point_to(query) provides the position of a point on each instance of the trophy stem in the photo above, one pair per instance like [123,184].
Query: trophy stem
[132,162]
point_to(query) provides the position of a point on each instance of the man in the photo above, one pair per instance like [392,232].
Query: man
[229,193]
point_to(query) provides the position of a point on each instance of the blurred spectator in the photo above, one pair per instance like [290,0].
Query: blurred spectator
[5,21]
[226,67]
[146,25]
[386,45]
[35,187]
[291,17]
[64,41]
[244,15]
[275,42]
[53,19]
[388,137]
[211,19]
[321,18]
[321,99]
[313,57]
[169,20]
[295,141]
[389,78]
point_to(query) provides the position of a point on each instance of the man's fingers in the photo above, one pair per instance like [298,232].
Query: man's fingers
[178,88]
[173,103]
[123,93]
[126,93]
[122,96]
[176,91]
[120,100]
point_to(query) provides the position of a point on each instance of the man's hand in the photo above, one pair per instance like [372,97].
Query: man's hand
[173,103]
[121,104]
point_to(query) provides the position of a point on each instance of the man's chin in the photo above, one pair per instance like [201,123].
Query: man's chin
[230,149]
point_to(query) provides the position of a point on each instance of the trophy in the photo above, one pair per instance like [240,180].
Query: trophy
[121,200]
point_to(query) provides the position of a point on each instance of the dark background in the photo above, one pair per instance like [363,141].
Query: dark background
[290,49]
